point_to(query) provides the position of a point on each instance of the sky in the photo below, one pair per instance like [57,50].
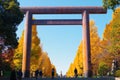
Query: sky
[61,41]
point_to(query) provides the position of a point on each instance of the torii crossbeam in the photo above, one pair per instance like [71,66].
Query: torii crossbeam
[85,11]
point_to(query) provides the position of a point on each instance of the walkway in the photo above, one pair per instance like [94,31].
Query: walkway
[67,79]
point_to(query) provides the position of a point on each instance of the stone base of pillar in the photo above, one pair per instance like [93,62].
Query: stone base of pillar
[26,73]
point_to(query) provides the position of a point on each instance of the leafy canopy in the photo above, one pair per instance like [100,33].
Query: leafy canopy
[10,18]
[111,4]
[103,69]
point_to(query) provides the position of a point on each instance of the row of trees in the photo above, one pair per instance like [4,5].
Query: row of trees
[95,51]
[103,51]
[10,18]
[39,60]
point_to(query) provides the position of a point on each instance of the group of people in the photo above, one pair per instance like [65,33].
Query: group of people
[40,73]
[16,75]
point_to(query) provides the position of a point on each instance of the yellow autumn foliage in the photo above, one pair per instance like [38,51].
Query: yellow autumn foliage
[70,72]
[111,41]
[45,65]
[38,59]
[95,50]
[76,64]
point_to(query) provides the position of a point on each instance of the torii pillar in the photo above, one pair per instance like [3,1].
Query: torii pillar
[87,71]
[27,45]
[85,11]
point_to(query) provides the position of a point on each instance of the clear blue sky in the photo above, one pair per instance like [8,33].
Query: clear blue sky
[61,42]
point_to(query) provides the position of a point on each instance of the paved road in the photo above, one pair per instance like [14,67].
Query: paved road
[66,78]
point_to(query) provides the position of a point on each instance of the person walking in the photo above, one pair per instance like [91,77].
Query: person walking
[36,74]
[13,75]
[75,72]
[19,74]
[40,73]
[53,72]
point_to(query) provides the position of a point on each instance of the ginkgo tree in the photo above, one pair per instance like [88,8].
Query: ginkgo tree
[95,52]
[111,38]
[36,50]
[78,61]
[39,60]
[45,65]
[95,46]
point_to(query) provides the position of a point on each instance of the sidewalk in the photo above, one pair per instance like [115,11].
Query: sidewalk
[109,78]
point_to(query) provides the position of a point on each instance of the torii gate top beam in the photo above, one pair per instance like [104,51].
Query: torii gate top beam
[63,10]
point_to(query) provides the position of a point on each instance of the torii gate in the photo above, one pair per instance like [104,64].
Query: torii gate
[85,11]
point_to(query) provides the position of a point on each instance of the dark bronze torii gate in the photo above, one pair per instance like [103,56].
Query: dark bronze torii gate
[85,11]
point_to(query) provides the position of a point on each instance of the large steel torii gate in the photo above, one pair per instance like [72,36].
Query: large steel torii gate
[85,11]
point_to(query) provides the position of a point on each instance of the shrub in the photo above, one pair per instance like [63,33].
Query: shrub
[117,73]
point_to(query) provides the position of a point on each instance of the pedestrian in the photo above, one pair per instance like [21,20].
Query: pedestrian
[40,73]
[13,75]
[36,74]
[53,72]
[19,74]
[75,73]
[61,74]
[1,73]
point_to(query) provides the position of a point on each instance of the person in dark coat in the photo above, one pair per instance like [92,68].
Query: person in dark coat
[13,75]
[53,72]
[36,74]
[40,73]
[75,72]
[19,74]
